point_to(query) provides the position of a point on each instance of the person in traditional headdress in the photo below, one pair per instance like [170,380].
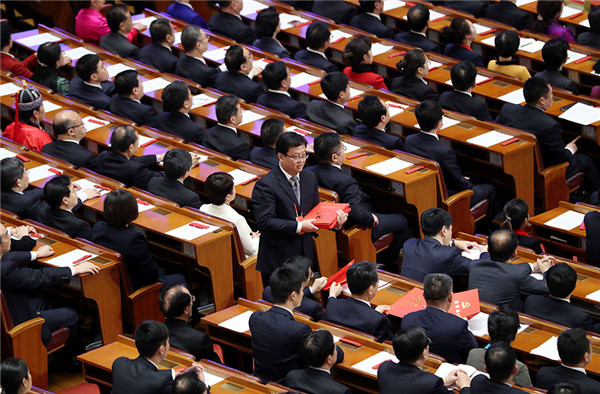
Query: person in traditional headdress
[27,129]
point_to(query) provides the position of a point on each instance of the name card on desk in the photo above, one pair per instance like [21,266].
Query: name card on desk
[566,221]
[582,114]
[239,323]
[78,53]
[378,48]
[548,349]
[303,78]
[391,4]
[489,139]
[117,68]
[368,365]
[41,172]
[49,106]
[73,257]
[4,153]
[155,84]
[389,166]
[515,97]
[251,7]
[92,123]
[189,232]
[8,88]
[250,117]
[38,39]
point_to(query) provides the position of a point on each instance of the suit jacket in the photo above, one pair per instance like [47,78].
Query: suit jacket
[547,130]
[132,172]
[282,103]
[99,98]
[558,80]
[24,205]
[504,283]
[477,359]
[592,244]
[276,342]
[508,13]
[16,67]
[275,212]
[379,137]
[461,53]
[226,141]
[450,336]
[355,314]
[559,311]
[270,44]
[413,88]
[422,257]
[417,40]
[199,72]
[428,146]
[232,26]
[64,221]
[337,10]
[140,376]
[391,376]
[159,57]
[330,115]
[239,85]
[174,191]
[363,74]
[181,125]
[588,38]
[463,103]
[264,156]
[183,12]
[72,152]
[187,338]
[141,114]
[476,7]
[119,44]
[371,24]
[134,248]
[547,376]
[481,384]
[314,381]
[308,306]
[315,60]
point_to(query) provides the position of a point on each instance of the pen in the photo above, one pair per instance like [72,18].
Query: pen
[96,121]
[145,144]
[583,59]
[249,181]
[142,202]
[485,33]
[338,40]
[414,169]
[395,105]
[303,24]
[54,170]
[23,158]
[315,82]
[396,54]
[510,141]
[108,189]
[199,225]
[577,15]
[87,256]
[354,156]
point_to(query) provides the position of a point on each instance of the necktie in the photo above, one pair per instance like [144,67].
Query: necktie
[295,187]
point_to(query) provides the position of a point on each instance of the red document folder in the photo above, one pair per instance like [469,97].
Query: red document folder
[464,304]
[410,302]
[339,277]
[324,214]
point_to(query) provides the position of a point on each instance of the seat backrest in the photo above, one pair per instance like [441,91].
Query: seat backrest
[7,321]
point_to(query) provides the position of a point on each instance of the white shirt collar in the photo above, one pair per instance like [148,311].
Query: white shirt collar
[187,5]
[6,53]
[283,307]
[200,58]
[229,127]
[419,33]
[317,52]
[18,192]
[321,369]
[338,104]
[562,299]
[92,84]
[73,141]
[280,92]
[336,166]
[168,47]
[363,301]
[582,370]
[422,80]
[375,15]
[437,137]
[152,362]
[467,93]
[288,176]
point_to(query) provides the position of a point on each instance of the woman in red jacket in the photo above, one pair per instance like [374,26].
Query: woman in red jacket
[359,56]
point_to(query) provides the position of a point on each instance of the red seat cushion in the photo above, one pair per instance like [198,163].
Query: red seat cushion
[478,210]
[575,180]
[59,338]
[83,388]
[384,241]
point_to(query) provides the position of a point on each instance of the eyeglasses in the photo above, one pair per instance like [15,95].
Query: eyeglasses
[76,126]
[298,158]
[428,341]
[26,172]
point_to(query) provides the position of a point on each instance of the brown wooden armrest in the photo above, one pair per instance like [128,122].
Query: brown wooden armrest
[26,326]
[555,187]
[459,207]
[145,303]
[456,198]
[250,262]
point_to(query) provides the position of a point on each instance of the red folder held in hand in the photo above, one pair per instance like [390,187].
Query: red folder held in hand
[410,302]
[464,304]
[325,214]
[339,277]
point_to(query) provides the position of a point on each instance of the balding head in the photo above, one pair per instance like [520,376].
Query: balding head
[502,245]
[68,126]
[176,302]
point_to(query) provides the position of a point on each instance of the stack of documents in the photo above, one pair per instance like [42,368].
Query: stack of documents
[490,138]
[371,364]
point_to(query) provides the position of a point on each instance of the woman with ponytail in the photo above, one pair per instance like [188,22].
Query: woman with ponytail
[459,36]
[50,58]
[15,376]
[414,67]
[359,56]
[516,219]
[547,20]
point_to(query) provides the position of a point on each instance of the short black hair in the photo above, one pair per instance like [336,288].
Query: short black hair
[11,170]
[500,360]
[356,49]
[594,18]
[333,84]
[289,140]
[120,208]
[409,344]
[463,75]
[234,58]
[56,189]
[86,66]
[270,130]
[317,34]
[437,287]
[503,325]
[367,5]
[12,373]
[457,31]
[370,110]
[173,300]
[412,61]
[317,346]
[561,280]
[301,263]
[432,221]
[190,36]
[188,382]
[176,162]
[217,186]
[266,22]
[121,137]
[149,336]
[125,81]
[565,388]
[429,113]
[160,28]
[361,276]
[554,53]
[417,17]
[326,145]
[273,74]
[174,95]
[226,107]
[507,43]
[534,89]
[516,212]
[4,35]
[502,245]
[61,127]
[115,16]
[284,281]
[224,3]
[572,344]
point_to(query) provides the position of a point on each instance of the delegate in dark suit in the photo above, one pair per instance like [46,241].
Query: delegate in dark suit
[282,103]
[547,376]
[392,376]
[414,88]
[71,152]
[422,257]
[466,104]
[132,172]
[97,97]
[239,85]
[330,115]
[174,191]
[508,13]
[308,306]
[372,25]
[315,59]
[558,80]
[461,53]
[185,337]
[24,205]
[196,70]
[559,311]
[450,336]
[141,114]
[119,44]
[482,385]
[139,376]
[275,211]
[227,141]
[356,314]
[233,27]
[65,221]
[417,40]
[379,137]
[337,10]
[314,381]
[159,57]
[264,156]
[181,125]
[590,39]
[504,283]
[592,238]
[269,44]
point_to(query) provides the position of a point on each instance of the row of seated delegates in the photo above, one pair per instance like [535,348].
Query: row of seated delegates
[126,101]
[28,129]
[339,11]
[91,25]
[120,24]
[159,53]
[177,165]
[359,56]
[182,9]
[374,115]
[8,61]
[507,12]
[276,77]
[318,40]
[332,113]
[507,44]
[267,26]
[463,75]
[414,67]
[229,23]
[238,79]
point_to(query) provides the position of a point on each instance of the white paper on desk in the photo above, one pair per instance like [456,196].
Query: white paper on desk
[433,15]
[472,254]
[239,323]
[449,122]
[97,123]
[566,221]
[8,88]
[201,100]
[381,284]
[143,139]
[480,28]
[548,349]
[354,93]
[40,172]
[433,64]
[446,368]
[337,34]
[391,4]
[389,166]
[78,53]
[523,2]
[490,138]
[145,21]
[568,11]
[530,45]
[240,176]
[349,147]
[288,20]
[49,106]
[251,7]
[216,55]
[393,108]
[595,296]
[585,23]
[67,259]
[250,117]
[537,275]
[303,78]
[262,63]
[38,39]
[335,339]
[85,184]
[155,84]
[515,97]
[177,38]
[367,365]
[378,48]
[4,153]
[117,68]
[478,79]
[211,380]
[189,233]
[582,114]
[478,324]
[491,41]
[574,56]
[144,207]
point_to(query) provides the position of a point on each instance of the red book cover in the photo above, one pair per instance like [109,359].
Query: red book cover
[410,302]
[325,214]
[339,277]
[464,304]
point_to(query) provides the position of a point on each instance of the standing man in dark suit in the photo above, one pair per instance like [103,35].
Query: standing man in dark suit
[229,23]
[332,113]
[507,12]
[374,115]
[337,10]
[177,165]
[317,42]
[120,23]
[69,131]
[177,100]
[502,283]
[575,353]
[438,251]
[92,87]
[267,27]
[192,65]
[126,102]
[15,197]
[369,19]
[320,353]
[276,77]
[238,79]
[450,335]
[411,347]
[461,100]
[418,22]
[591,38]
[592,238]
[555,56]
[531,118]
[159,54]
[501,365]
[224,137]
[266,155]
